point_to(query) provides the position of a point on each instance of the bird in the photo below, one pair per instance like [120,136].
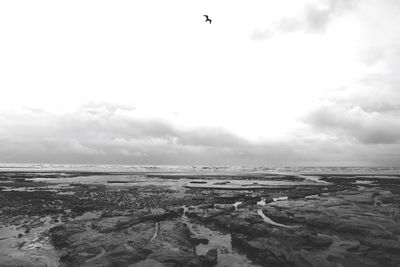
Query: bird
[207,18]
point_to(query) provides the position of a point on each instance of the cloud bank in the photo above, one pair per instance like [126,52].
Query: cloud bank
[108,133]
[365,127]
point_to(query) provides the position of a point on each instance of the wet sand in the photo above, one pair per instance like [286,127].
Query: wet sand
[87,218]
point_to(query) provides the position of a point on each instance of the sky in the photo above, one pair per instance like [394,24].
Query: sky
[273,83]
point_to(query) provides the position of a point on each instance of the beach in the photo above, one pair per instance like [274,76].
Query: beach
[192,216]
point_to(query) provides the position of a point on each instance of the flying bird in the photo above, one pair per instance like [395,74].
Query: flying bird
[207,18]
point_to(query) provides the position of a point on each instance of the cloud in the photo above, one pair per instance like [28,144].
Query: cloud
[373,93]
[112,134]
[101,132]
[355,122]
[377,88]
[313,18]
[104,108]
[319,15]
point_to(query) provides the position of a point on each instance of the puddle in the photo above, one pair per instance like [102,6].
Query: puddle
[156,230]
[312,197]
[66,193]
[262,202]
[279,198]
[364,182]
[236,204]
[28,189]
[315,179]
[268,220]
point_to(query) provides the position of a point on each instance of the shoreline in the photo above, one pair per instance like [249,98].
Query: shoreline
[171,218]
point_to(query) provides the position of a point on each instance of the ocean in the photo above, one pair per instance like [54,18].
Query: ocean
[116,168]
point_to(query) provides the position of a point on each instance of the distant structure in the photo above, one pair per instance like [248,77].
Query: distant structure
[207,18]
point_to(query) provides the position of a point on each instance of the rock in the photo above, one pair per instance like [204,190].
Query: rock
[112,213]
[198,241]
[175,210]
[167,242]
[239,226]
[60,235]
[210,259]
[225,207]
[172,244]
[81,208]
[301,261]
[359,198]
[345,226]
[7,261]
[195,263]
[269,252]
[262,229]
[110,224]
[229,197]
[354,261]
[222,220]
[320,241]
[210,213]
[122,257]
[204,214]
[250,216]
[247,202]
[147,263]
[240,241]
[385,197]
[350,227]
[114,224]
[315,241]
[195,213]
[391,246]
[322,221]
[207,206]
[156,217]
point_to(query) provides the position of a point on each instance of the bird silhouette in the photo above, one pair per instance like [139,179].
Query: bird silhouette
[207,18]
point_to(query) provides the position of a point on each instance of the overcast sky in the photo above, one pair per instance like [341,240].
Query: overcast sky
[299,82]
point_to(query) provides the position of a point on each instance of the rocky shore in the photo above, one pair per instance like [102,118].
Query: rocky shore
[322,220]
